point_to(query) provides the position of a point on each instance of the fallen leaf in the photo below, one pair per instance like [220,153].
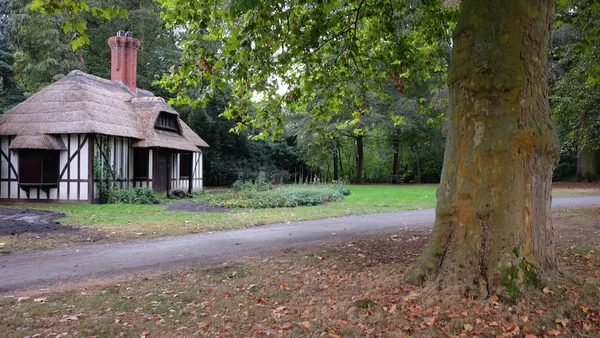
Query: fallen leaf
[468,327]
[562,321]
[202,325]
[547,291]
[285,326]
[305,325]
[525,319]
[530,336]
[585,309]
[67,318]
[553,332]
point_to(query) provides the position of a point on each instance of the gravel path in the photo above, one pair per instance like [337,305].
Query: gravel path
[39,268]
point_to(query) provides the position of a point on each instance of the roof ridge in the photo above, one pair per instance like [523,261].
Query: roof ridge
[93,77]
[147,98]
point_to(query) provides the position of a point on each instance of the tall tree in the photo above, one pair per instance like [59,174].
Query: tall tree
[43,53]
[11,92]
[493,232]
[575,79]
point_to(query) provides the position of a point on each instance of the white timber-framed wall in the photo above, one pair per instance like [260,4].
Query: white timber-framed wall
[116,151]
[198,179]
[178,182]
[74,173]
[76,182]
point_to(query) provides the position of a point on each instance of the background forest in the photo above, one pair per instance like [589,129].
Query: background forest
[399,135]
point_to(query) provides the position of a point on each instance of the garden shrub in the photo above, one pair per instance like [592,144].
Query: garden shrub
[250,187]
[285,196]
[344,191]
[132,196]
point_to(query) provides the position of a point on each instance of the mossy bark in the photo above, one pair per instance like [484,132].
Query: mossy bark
[493,208]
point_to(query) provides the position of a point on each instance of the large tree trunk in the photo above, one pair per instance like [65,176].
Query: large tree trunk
[339,147]
[359,159]
[588,164]
[396,145]
[336,156]
[493,232]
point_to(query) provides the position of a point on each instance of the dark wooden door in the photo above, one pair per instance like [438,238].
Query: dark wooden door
[160,180]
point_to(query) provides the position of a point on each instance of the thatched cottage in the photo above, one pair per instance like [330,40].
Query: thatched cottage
[48,142]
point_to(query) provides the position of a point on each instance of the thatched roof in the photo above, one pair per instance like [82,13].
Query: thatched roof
[146,111]
[48,142]
[81,103]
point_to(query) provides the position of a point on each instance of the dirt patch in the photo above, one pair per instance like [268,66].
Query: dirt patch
[21,221]
[23,229]
[197,206]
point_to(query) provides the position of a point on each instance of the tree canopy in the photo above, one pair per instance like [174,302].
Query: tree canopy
[575,69]
[280,53]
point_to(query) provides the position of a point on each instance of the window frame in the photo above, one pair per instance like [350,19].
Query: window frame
[168,122]
[185,166]
[47,163]
[141,163]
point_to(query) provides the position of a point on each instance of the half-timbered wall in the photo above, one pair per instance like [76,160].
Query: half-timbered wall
[116,151]
[177,182]
[197,182]
[76,169]
[74,172]
[183,183]
[9,168]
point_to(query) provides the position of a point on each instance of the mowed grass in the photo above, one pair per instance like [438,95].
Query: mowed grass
[156,220]
[121,222]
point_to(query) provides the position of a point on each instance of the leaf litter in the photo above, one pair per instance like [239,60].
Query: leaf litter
[351,289]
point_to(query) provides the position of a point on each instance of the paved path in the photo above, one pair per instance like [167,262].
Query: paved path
[39,268]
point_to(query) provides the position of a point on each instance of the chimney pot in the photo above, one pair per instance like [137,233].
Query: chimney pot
[123,64]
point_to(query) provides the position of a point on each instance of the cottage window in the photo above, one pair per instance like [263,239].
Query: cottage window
[140,163]
[184,165]
[38,167]
[167,122]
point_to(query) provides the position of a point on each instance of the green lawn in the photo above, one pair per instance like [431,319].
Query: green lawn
[125,222]
[156,220]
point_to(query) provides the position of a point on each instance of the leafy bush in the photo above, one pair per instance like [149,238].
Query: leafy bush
[564,172]
[250,187]
[286,196]
[344,191]
[132,196]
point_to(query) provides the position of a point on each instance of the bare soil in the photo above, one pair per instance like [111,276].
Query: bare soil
[20,221]
[40,229]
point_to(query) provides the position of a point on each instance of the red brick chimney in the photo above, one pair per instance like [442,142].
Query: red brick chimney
[123,63]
